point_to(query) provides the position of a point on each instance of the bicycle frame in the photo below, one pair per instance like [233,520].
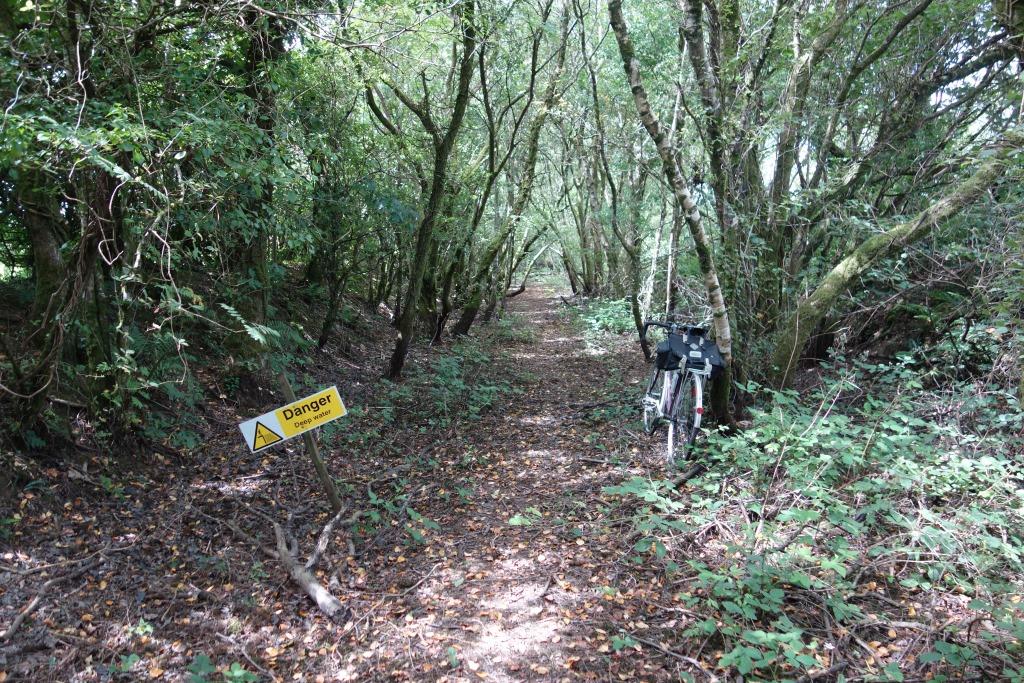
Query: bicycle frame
[670,392]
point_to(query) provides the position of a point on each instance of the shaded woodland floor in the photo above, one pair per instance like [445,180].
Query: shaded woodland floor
[493,556]
[514,525]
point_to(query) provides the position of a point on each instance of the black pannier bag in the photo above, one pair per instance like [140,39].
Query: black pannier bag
[669,353]
[692,346]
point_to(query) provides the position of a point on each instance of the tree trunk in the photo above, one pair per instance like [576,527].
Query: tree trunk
[652,276]
[671,290]
[40,218]
[813,309]
[684,201]
[424,233]
[338,285]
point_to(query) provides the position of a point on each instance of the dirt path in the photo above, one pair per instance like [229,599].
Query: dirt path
[515,583]
[488,552]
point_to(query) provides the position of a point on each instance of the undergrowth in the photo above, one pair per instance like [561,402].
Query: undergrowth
[602,315]
[872,527]
[456,384]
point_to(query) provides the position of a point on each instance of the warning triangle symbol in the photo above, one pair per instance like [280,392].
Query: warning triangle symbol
[264,437]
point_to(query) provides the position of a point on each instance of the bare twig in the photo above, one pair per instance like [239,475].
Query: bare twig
[675,655]
[37,600]
[325,536]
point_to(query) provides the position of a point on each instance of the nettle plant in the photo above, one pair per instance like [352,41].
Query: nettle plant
[459,385]
[842,518]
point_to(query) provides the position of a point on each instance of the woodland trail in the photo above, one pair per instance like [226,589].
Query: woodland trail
[488,551]
[518,583]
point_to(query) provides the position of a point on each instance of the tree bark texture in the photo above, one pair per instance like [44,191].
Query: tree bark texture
[682,196]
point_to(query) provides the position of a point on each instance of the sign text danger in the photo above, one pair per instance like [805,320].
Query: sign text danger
[293,419]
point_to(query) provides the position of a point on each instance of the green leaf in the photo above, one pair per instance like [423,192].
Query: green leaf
[200,668]
[892,672]
[128,661]
[239,674]
[620,643]
[797,515]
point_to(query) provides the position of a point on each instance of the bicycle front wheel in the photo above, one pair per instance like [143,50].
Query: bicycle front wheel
[651,400]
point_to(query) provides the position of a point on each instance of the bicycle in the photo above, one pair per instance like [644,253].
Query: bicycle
[684,362]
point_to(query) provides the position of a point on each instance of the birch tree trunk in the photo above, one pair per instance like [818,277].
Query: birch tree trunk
[685,203]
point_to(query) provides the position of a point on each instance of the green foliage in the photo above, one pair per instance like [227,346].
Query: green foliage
[7,525]
[111,487]
[261,334]
[529,517]
[514,330]
[623,641]
[127,662]
[458,385]
[237,673]
[420,525]
[143,628]
[200,668]
[868,481]
[612,316]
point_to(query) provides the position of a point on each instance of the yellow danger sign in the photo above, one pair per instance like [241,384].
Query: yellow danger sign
[293,419]
[310,412]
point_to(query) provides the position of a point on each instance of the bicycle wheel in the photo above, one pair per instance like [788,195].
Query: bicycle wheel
[684,422]
[650,402]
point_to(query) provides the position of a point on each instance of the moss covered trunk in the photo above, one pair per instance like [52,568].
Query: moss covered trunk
[812,310]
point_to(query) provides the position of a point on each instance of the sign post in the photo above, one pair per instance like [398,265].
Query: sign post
[296,418]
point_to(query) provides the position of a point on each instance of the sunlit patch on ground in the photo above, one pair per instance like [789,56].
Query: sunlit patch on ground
[561,340]
[537,420]
[245,486]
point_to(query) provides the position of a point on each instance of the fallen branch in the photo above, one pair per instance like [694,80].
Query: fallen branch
[286,552]
[598,461]
[327,603]
[325,536]
[547,586]
[693,471]
[37,600]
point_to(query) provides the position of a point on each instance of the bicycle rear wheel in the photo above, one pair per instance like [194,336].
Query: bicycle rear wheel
[684,422]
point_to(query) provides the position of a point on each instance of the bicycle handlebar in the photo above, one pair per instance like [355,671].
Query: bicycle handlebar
[673,328]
